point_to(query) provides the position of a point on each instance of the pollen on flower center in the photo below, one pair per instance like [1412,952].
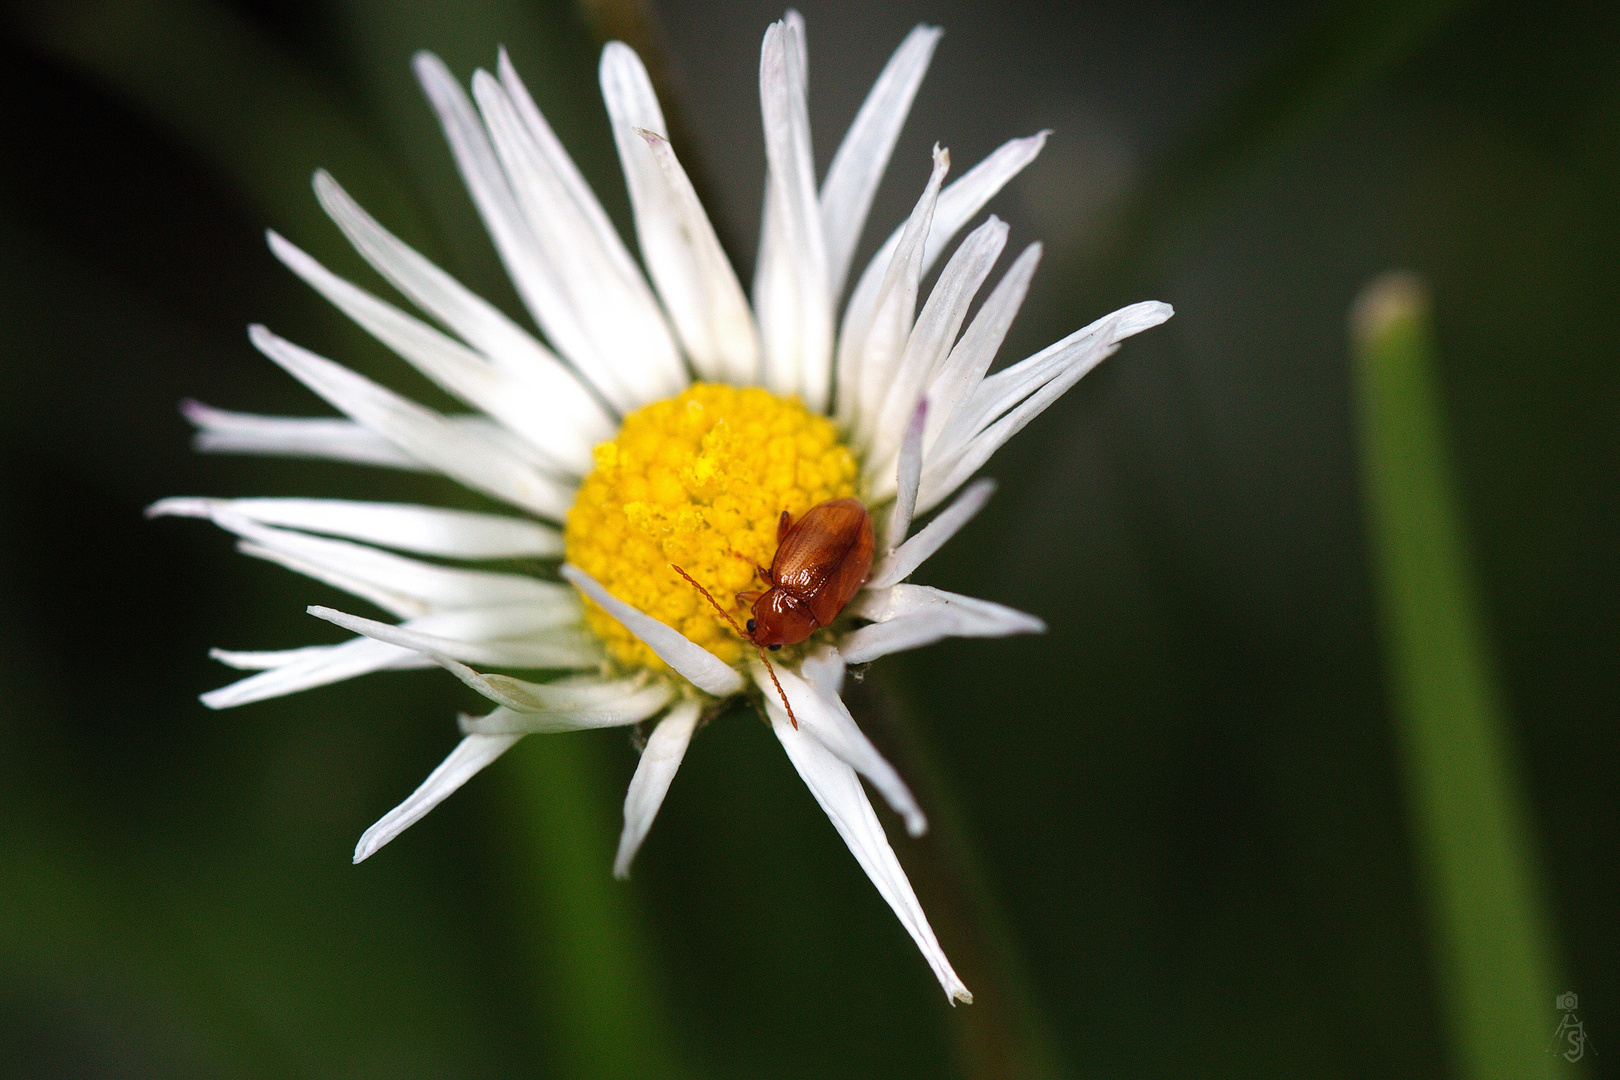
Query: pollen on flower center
[698,480]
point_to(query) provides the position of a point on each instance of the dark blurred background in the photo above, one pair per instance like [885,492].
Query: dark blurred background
[1185,801]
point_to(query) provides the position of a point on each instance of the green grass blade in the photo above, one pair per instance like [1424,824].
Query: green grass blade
[1473,840]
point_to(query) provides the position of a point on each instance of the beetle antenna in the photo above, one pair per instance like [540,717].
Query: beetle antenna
[726,615]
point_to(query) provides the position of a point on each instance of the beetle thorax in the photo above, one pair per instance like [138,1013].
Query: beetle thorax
[699,480]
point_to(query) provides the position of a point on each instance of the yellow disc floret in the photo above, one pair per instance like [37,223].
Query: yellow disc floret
[698,480]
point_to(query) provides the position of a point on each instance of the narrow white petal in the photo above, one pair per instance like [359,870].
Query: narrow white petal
[565,705]
[622,712]
[695,278]
[696,664]
[397,604]
[872,342]
[824,666]
[565,648]
[320,665]
[464,762]
[476,321]
[857,167]
[827,718]
[839,792]
[333,439]
[661,757]
[792,300]
[914,552]
[433,585]
[222,432]
[933,335]
[459,452]
[1083,349]
[695,281]
[265,660]
[524,406]
[908,473]
[957,204]
[973,354]
[603,287]
[536,280]
[567,174]
[911,616]
[427,530]
[1022,392]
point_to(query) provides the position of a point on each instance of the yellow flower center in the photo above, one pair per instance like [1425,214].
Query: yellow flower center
[698,480]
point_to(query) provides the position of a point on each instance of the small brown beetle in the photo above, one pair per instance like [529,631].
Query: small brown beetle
[821,562]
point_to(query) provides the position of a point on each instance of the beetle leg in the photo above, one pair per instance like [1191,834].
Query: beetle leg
[783,524]
[749,596]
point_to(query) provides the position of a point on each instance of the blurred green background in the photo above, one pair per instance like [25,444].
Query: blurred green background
[1186,802]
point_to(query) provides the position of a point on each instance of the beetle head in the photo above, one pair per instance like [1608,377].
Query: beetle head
[779,620]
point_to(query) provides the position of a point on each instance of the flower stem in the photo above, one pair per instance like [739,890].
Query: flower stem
[601,1000]
[1492,938]
[1003,1034]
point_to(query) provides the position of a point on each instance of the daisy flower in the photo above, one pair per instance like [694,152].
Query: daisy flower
[665,421]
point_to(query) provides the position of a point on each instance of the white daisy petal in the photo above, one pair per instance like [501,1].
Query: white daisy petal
[457,451]
[526,407]
[911,616]
[426,530]
[622,712]
[857,167]
[827,718]
[908,474]
[1084,349]
[660,759]
[914,552]
[838,791]
[824,666]
[319,666]
[957,204]
[565,705]
[536,280]
[430,584]
[265,660]
[696,664]
[933,335]
[599,281]
[579,417]
[397,604]
[717,323]
[1026,389]
[222,432]
[567,174]
[332,439]
[464,762]
[293,670]
[870,344]
[567,648]
[973,354]
[695,280]
[792,301]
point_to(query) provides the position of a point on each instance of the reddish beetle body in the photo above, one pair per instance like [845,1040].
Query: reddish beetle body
[821,561]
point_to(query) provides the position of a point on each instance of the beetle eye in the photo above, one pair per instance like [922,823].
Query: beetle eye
[773,648]
[749,626]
